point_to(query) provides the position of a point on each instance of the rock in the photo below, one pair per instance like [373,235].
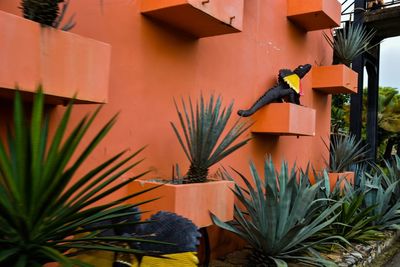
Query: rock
[357,255]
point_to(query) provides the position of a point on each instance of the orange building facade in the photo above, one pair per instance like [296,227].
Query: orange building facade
[141,62]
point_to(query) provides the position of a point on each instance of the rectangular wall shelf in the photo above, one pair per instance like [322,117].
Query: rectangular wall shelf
[334,79]
[65,64]
[314,15]
[198,18]
[285,119]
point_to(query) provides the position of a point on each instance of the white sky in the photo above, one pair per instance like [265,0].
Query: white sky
[389,74]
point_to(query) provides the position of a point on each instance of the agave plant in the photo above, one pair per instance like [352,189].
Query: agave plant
[279,216]
[47,211]
[202,139]
[354,222]
[386,208]
[349,42]
[345,152]
[390,175]
[47,12]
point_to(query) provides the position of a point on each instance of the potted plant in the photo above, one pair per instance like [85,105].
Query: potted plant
[347,43]
[345,151]
[47,12]
[205,142]
[48,210]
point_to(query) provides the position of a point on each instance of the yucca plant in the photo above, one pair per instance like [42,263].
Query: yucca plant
[349,42]
[203,136]
[277,216]
[47,211]
[345,152]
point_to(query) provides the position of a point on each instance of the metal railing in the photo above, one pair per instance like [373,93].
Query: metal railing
[347,5]
[348,9]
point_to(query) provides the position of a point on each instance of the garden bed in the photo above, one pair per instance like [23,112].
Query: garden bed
[360,255]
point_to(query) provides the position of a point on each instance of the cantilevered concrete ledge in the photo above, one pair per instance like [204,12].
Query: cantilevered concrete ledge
[385,21]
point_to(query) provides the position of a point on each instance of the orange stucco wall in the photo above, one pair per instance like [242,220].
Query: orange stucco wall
[152,63]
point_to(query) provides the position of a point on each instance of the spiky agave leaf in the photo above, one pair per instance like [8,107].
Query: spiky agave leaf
[386,205]
[43,204]
[390,175]
[202,136]
[350,42]
[279,215]
[345,151]
[354,222]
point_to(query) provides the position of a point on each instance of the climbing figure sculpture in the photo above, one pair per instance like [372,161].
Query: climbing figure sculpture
[287,89]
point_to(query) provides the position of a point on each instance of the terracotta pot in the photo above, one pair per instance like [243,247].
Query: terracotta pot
[334,177]
[285,119]
[197,17]
[334,79]
[193,201]
[64,63]
[315,15]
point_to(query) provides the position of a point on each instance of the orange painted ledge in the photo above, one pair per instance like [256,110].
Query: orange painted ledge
[64,63]
[314,15]
[192,201]
[199,18]
[285,119]
[334,79]
[335,177]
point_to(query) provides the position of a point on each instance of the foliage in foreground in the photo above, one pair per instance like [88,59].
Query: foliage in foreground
[43,205]
[279,216]
[381,196]
[202,140]
[354,221]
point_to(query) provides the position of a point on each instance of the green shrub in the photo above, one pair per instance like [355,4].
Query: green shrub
[279,216]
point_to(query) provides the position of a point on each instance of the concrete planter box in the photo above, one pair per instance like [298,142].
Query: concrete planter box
[314,15]
[335,79]
[193,201]
[285,119]
[335,177]
[199,18]
[64,63]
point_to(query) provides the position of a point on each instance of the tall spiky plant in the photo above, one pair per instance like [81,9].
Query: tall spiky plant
[345,151]
[278,214]
[202,140]
[349,42]
[44,204]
